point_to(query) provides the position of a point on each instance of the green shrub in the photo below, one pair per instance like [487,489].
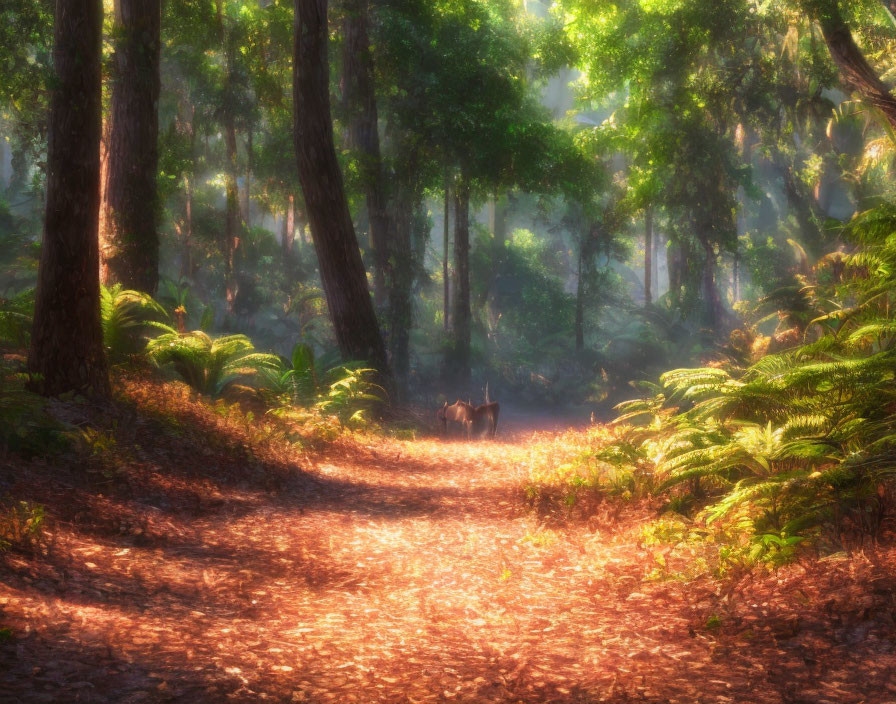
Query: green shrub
[21,525]
[16,315]
[127,316]
[209,365]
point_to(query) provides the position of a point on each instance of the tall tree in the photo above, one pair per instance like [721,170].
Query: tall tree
[363,135]
[130,239]
[67,341]
[854,68]
[648,255]
[461,313]
[341,269]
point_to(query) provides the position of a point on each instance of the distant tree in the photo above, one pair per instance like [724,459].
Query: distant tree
[67,340]
[341,269]
[128,228]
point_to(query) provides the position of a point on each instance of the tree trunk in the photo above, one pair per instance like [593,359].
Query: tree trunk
[187,263]
[67,340]
[130,239]
[400,307]
[232,213]
[648,256]
[674,264]
[715,311]
[363,136]
[247,207]
[580,303]
[288,240]
[854,68]
[462,314]
[445,275]
[341,268]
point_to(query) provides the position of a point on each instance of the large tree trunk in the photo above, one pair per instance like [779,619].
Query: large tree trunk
[854,68]
[648,256]
[130,239]
[341,268]
[363,136]
[462,315]
[67,339]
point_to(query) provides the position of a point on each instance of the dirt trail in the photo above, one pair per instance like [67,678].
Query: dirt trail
[405,572]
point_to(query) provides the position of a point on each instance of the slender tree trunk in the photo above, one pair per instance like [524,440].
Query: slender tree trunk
[187,263]
[288,241]
[445,271]
[341,268]
[363,136]
[247,216]
[67,341]
[854,68]
[648,256]
[580,303]
[674,263]
[400,307]
[711,298]
[232,213]
[230,241]
[462,315]
[130,239]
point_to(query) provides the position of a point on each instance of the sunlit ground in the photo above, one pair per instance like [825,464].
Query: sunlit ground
[409,571]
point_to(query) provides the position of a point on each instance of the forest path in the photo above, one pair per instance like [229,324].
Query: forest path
[404,572]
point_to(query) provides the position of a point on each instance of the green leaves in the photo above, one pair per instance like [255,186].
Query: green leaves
[209,365]
[126,317]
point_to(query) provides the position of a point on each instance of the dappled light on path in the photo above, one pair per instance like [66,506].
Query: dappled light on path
[409,571]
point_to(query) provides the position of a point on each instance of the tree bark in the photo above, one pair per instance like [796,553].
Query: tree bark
[462,315]
[341,268]
[359,95]
[67,340]
[129,234]
[288,240]
[232,212]
[580,304]
[400,307]
[648,256]
[247,215]
[854,68]
[445,273]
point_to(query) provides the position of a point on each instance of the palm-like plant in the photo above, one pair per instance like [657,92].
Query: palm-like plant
[209,365]
[126,318]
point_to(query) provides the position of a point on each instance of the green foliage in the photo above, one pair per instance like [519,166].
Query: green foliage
[126,318]
[21,525]
[15,320]
[25,426]
[209,365]
[801,443]
[346,391]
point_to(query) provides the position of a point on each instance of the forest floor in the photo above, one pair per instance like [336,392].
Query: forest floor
[199,563]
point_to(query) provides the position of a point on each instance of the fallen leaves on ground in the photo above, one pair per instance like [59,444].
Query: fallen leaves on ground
[216,566]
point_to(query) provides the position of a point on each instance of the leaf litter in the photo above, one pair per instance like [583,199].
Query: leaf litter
[219,566]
